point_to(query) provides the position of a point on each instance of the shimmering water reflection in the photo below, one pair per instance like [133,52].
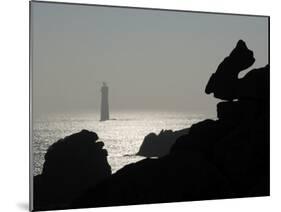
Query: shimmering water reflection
[121,136]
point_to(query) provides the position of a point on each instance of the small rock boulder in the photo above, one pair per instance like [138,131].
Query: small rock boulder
[72,165]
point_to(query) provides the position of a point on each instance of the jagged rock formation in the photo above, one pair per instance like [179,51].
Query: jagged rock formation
[174,177]
[72,165]
[238,142]
[223,158]
[223,83]
[159,145]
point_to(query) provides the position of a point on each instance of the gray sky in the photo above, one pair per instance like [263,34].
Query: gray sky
[151,60]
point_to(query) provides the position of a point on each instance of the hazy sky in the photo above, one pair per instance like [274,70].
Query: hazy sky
[151,59]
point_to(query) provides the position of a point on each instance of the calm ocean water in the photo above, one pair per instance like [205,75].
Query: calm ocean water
[121,136]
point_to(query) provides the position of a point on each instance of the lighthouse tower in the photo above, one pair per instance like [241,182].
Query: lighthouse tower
[104,113]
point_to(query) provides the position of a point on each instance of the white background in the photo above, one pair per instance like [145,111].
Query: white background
[14,103]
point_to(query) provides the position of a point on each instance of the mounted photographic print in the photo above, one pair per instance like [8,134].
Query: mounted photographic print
[138,106]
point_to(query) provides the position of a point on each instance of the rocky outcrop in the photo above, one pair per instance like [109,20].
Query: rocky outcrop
[238,142]
[223,83]
[223,158]
[72,165]
[175,177]
[159,145]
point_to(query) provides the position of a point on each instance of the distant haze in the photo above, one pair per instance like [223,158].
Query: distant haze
[150,59]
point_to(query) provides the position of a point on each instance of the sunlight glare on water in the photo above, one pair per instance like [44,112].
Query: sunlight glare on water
[122,135]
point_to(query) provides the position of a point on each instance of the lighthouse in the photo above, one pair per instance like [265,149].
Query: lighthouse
[104,113]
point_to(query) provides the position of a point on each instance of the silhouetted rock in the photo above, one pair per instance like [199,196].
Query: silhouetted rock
[159,145]
[243,156]
[213,161]
[223,83]
[255,85]
[202,137]
[238,111]
[223,158]
[72,165]
[174,177]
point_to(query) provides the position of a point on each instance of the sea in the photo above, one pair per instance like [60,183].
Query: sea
[122,135]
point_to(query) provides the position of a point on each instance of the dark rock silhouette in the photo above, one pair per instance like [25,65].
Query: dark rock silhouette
[223,158]
[159,145]
[175,177]
[72,165]
[223,83]
[243,156]
[255,85]
[201,138]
